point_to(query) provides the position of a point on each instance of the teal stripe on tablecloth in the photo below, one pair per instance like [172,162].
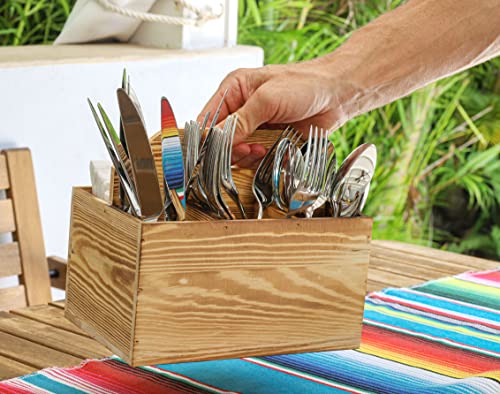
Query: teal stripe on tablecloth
[51,385]
[246,377]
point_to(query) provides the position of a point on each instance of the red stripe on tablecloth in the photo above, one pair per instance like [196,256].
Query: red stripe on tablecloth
[424,350]
[493,275]
[115,375]
[8,388]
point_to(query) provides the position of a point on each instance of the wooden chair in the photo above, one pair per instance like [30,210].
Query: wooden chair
[25,255]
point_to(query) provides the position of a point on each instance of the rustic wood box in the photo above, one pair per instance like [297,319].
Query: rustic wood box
[198,290]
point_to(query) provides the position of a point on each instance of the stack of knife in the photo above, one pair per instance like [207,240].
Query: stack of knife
[140,193]
[132,158]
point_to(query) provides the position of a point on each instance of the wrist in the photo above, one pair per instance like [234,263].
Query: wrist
[348,94]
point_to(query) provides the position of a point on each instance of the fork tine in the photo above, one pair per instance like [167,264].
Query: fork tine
[324,157]
[313,160]
[307,156]
[205,120]
[217,112]
[317,169]
[319,157]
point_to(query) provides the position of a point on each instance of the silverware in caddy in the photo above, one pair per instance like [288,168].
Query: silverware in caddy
[141,158]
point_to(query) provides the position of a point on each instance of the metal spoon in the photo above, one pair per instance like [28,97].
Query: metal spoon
[352,181]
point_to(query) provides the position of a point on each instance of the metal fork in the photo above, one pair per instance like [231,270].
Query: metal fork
[328,180]
[283,172]
[213,175]
[192,139]
[308,193]
[261,187]
[226,173]
[194,184]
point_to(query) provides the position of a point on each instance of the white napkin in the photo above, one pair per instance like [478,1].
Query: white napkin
[100,176]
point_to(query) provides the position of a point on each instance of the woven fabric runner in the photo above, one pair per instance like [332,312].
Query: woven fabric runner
[439,337]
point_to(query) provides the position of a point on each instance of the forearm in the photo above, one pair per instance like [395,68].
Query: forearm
[414,45]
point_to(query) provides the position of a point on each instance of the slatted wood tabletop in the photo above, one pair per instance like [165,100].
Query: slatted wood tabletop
[38,337]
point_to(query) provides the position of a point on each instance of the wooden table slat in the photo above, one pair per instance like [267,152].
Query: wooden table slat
[437,256]
[410,271]
[394,280]
[52,337]
[58,304]
[375,285]
[33,354]
[10,368]
[394,260]
[446,266]
[50,315]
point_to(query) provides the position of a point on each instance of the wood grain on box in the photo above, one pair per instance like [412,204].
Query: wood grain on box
[103,255]
[219,289]
[170,292]
[253,287]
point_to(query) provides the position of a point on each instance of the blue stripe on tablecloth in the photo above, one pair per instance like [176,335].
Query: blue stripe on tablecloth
[246,377]
[46,383]
[443,303]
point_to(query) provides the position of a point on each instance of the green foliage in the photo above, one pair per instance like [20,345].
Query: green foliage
[24,22]
[438,148]
[438,176]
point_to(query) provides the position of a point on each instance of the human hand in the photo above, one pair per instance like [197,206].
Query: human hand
[388,58]
[300,95]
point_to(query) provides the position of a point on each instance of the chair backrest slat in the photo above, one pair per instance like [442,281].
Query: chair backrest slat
[12,298]
[4,178]
[7,222]
[19,214]
[10,261]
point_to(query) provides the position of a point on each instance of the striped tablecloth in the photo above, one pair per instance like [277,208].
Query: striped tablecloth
[440,337]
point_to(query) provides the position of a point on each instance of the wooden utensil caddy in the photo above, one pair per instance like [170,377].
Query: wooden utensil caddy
[172,292]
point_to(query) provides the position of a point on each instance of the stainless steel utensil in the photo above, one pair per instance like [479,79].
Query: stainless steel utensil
[284,171]
[226,173]
[172,163]
[141,157]
[305,199]
[192,140]
[352,182]
[123,176]
[262,187]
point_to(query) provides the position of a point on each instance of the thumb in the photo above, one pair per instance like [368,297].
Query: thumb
[258,109]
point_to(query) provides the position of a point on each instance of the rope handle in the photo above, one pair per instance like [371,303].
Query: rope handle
[202,15]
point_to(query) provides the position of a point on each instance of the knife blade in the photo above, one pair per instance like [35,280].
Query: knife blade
[172,160]
[123,176]
[141,158]
[123,198]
